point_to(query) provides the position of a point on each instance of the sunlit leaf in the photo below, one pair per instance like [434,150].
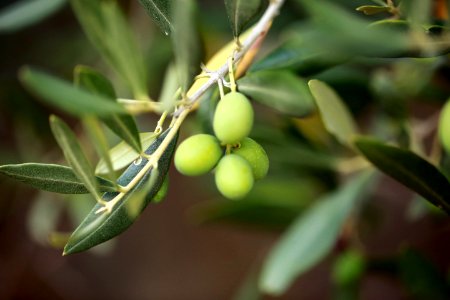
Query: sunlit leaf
[241,12]
[65,96]
[74,154]
[24,13]
[122,154]
[186,42]
[108,30]
[280,90]
[409,169]
[100,227]
[335,115]
[159,10]
[52,178]
[121,124]
[444,126]
[311,236]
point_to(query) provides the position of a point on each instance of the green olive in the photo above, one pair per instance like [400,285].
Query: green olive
[233,118]
[197,155]
[234,177]
[255,155]
[444,127]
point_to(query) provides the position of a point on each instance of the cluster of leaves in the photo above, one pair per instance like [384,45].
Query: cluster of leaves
[318,60]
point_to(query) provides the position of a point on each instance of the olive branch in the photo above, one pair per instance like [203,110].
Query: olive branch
[215,77]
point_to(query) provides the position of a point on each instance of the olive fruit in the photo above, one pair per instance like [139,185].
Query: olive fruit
[234,177]
[255,155]
[233,118]
[197,155]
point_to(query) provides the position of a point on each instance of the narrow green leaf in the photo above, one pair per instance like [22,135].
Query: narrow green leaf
[98,228]
[311,236]
[108,30]
[444,126]
[74,154]
[159,11]
[280,90]
[98,138]
[137,200]
[169,89]
[297,55]
[186,42]
[122,154]
[241,12]
[373,9]
[333,27]
[52,178]
[163,190]
[121,124]
[409,169]
[21,14]
[335,115]
[67,97]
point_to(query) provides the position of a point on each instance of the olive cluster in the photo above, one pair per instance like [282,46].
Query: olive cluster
[243,161]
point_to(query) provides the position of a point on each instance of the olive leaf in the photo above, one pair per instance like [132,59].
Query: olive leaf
[280,90]
[311,236]
[297,55]
[409,169]
[74,154]
[241,12]
[444,126]
[24,13]
[122,154]
[373,9]
[159,11]
[335,115]
[186,42]
[65,96]
[121,124]
[52,178]
[98,228]
[108,30]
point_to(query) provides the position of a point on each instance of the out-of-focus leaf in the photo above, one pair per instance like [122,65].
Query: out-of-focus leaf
[67,97]
[373,9]
[122,154]
[331,27]
[335,115]
[280,90]
[444,126]
[248,290]
[186,42]
[162,193]
[421,278]
[24,13]
[74,154]
[241,12]
[98,138]
[159,10]
[100,227]
[52,178]
[311,236]
[303,58]
[107,29]
[409,169]
[273,202]
[43,217]
[121,124]
[348,268]
[169,89]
